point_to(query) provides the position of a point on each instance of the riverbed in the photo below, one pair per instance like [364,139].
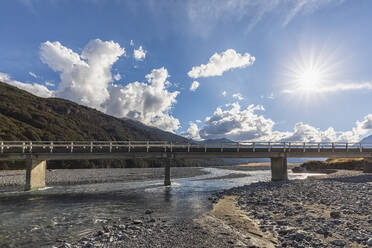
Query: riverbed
[59,213]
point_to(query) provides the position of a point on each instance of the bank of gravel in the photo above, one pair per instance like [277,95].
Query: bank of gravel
[330,211]
[253,166]
[86,176]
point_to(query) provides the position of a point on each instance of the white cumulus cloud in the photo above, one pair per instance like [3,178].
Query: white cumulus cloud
[193,132]
[224,93]
[240,124]
[117,76]
[85,77]
[238,96]
[139,54]
[194,85]
[237,124]
[149,103]
[219,63]
[35,88]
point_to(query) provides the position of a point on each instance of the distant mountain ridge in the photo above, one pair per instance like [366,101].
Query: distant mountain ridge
[215,141]
[24,116]
[367,139]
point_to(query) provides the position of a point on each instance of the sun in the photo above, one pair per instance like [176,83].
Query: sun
[308,75]
[309,78]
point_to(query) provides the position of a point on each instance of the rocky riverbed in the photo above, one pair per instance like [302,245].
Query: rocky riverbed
[328,211]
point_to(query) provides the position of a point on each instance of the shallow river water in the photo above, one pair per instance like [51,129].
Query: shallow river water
[39,218]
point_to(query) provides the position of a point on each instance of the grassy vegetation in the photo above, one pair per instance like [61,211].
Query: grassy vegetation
[335,163]
[24,116]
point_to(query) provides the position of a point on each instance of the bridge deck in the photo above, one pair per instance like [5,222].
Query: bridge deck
[61,150]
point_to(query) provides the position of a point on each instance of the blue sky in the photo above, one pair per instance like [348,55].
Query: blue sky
[310,78]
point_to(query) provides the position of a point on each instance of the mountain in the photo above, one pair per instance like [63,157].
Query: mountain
[24,116]
[367,139]
[215,141]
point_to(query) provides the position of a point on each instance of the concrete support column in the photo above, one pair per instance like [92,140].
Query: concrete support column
[367,165]
[279,169]
[35,174]
[167,175]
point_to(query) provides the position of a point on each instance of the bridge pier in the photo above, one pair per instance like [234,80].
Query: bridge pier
[167,180]
[279,169]
[35,174]
[367,165]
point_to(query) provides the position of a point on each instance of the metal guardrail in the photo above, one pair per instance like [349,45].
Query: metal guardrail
[165,146]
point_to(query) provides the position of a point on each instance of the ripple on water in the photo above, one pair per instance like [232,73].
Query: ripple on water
[39,217]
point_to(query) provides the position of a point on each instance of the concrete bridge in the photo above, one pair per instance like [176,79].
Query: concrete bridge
[37,153]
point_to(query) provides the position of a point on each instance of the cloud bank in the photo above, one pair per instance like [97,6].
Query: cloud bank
[220,63]
[86,78]
[246,124]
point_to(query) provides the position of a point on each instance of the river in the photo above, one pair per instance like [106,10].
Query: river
[39,218]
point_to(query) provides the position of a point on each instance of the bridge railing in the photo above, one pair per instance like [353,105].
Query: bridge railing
[165,146]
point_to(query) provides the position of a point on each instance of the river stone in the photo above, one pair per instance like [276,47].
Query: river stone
[369,242]
[148,211]
[335,214]
[66,245]
[338,242]
[299,236]
[137,222]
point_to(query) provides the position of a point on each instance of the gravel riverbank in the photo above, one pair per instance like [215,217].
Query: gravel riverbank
[331,211]
[86,176]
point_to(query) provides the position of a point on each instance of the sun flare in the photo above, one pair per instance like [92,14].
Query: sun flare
[309,74]
[309,78]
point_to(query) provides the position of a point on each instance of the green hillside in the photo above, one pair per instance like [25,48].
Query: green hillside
[24,116]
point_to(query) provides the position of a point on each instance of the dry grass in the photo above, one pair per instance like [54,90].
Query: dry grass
[343,160]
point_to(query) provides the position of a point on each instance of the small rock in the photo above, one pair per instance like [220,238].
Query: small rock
[338,242]
[299,236]
[335,214]
[66,245]
[369,242]
[148,211]
[137,222]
